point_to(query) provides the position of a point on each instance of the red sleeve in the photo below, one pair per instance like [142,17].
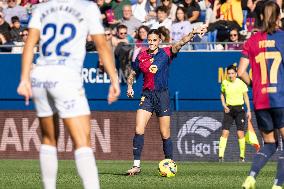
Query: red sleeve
[246,49]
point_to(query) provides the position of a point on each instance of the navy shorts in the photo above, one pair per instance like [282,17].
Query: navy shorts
[156,101]
[270,119]
[236,113]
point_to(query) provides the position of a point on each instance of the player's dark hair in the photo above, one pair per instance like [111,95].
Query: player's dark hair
[154,31]
[232,67]
[270,16]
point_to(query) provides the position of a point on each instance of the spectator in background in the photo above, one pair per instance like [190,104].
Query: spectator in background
[161,20]
[117,6]
[151,7]
[234,37]
[181,27]
[121,36]
[231,10]
[4,26]
[192,9]
[141,37]
[107,14]
[5,39]
[165,36]
[139,10]
[123,46]
[141,42]
[130,21]
[16,30]
[14,10]
[172,8]
[19,46]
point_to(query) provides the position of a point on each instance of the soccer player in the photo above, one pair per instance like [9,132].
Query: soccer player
[233,96]
[154,64]
[54,82]
[264,51]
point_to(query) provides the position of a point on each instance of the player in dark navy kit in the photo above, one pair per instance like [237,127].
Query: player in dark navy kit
[154,64]
[264,51]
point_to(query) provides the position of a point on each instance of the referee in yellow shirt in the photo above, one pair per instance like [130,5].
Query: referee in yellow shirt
[233,96]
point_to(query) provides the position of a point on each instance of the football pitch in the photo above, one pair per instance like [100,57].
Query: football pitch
[24,174]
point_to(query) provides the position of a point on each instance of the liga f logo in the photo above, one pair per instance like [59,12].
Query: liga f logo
[200,125]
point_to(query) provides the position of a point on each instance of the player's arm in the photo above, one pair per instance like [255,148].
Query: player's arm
[242,70]
[107,58]
[24,87]
[223,100]
[246,99]
[178,45]
[130,81]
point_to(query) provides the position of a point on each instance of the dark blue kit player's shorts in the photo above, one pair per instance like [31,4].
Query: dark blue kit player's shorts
[270,119]
[156,101]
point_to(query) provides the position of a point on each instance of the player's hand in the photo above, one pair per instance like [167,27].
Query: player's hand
[130,93]
[226,109]
[114,92]
[249,115]
[25,89]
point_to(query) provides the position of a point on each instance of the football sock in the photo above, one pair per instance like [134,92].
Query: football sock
[138,143]
[222,146]
[242,145]
[279,180]
[168,148]
[86,167]
[48,165]
[261,158]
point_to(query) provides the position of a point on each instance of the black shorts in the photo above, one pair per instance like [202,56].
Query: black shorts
[156,101]
[237,114]
[270,119]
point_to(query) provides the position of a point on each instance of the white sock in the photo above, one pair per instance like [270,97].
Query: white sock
[87,169]
[48,165]
[136,163]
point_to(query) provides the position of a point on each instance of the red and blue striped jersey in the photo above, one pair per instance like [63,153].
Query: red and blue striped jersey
[155,68]
[265,53]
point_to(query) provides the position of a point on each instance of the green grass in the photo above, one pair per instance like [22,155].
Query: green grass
[24,174]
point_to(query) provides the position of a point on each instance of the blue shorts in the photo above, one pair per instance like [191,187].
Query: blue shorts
[270,119]
[156,101]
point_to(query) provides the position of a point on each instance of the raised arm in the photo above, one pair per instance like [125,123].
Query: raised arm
[178,45]
[130,81]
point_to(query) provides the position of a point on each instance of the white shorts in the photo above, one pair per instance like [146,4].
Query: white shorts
[58,89]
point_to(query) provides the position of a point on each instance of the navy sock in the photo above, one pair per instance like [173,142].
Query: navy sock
[261,158]
[279,180]
[138,143]
[168,148]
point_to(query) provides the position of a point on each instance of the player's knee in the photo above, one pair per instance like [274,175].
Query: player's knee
[165,134]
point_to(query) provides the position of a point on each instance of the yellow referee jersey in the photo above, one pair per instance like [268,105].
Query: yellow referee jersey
[234,91]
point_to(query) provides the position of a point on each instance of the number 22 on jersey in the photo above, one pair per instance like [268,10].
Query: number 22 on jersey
[64,38]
